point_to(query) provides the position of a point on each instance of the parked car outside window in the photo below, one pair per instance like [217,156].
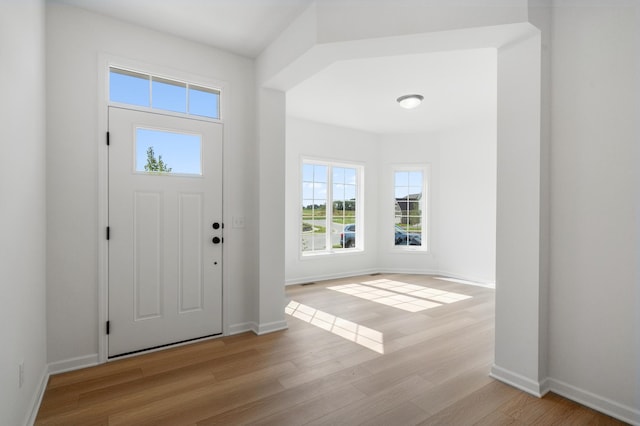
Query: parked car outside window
[348,237]
[404,238]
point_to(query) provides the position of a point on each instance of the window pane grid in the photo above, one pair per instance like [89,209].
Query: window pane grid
[408,189]
[323,229]
[144,90]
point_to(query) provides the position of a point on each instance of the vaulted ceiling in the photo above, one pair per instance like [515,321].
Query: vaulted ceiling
[458,86]
[244,27]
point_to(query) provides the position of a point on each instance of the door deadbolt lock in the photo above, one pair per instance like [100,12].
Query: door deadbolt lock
[216,240]
[217,225]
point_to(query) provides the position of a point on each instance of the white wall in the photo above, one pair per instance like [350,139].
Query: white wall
[594,291]
[305,138]
[271,162]
[424,151]
[22,208]
[340,20]
[75,41]
[540,15]
[518,332]
[466,227]
[461,200]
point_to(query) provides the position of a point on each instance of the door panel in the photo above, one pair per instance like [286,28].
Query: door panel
[147,251]
[191,279]
[165,273]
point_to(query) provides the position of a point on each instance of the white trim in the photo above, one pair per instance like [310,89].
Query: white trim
[604,405]
[313,278]
[589,399]
[414,271]
[103,206]
[436,273]
[518,381]
[72,364]
[243,328]
[270,327]
[472,279]
[164,112]
[37,397]
[335,252]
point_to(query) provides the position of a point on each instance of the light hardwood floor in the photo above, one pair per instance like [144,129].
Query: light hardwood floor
[434,369]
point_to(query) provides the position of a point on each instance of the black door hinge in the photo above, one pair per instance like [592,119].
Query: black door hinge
[107,138]
[108,233]
[108,326]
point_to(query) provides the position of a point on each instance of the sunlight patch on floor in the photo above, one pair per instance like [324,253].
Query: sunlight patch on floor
[408,297]
[364,336]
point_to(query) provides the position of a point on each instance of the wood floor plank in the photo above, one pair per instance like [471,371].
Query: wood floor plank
[130,400]
[289,398]
[329,401]
[448,393]
[586,416]
[431,368]
[307,375]
[365,410]
[84,377]
[404,413]
[499,418]
[61,399]
[190,406]
[475,406]
[531,410]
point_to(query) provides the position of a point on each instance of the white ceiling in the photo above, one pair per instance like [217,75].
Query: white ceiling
[459,87]
[244,27]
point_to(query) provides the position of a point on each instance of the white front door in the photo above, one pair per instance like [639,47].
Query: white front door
[165,230]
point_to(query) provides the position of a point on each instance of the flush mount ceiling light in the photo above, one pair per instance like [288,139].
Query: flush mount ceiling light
[410,101]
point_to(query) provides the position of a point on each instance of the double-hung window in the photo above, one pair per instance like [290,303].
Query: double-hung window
[410,208]
[331,208]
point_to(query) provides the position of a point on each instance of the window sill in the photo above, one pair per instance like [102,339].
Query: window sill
[409,250]
[318,255]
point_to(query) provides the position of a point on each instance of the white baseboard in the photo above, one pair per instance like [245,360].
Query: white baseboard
[55,368]
[482,282]
[243,328]
[604,405]
[258,328]
[271,327]
[73,364]
[37,397]
[314,278]
[588,399]
[407,271]
[518,381]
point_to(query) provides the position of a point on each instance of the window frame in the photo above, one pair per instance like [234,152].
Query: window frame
[161,78]
[135,170]
[359,216]
[426,205]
